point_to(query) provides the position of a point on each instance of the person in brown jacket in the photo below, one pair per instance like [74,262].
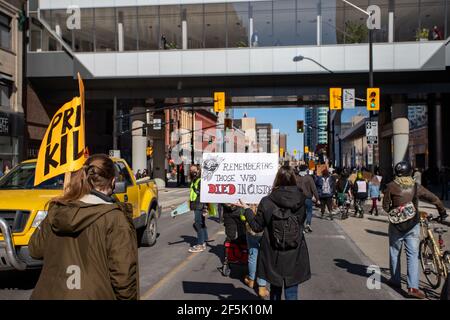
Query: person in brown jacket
[400,201]
[87,241]
[306,184]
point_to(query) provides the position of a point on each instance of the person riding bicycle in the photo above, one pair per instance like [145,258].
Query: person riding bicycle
[360,192]
[343,191]
[400,201]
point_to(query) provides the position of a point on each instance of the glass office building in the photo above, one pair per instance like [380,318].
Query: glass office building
[239,24]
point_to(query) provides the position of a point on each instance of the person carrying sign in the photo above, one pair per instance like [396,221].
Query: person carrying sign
[88,241]
[283,259]
[200,210]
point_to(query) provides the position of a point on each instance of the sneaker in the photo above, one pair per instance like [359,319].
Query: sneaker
[263,292]
[308,228]
[249,282]
[197,248]
[416,293]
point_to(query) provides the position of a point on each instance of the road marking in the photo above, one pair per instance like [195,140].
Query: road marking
[172,272]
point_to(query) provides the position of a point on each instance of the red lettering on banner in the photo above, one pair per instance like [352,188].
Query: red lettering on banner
[229,189]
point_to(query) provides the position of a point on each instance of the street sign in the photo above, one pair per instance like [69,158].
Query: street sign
[370,154]
[372,132]
[281,152]
[157,124]
[114,153]
[219,101]
[348,98]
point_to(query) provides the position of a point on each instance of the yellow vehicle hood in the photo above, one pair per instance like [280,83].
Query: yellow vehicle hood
[32,200]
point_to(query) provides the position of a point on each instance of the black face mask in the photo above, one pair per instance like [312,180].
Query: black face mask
[194,175]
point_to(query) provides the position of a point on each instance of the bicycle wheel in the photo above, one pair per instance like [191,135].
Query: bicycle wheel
[429,264]
[446,258]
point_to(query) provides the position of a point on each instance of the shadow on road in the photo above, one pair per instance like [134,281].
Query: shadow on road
[22,280]
[185,239]
[377,233]
[377,220]
[223,291]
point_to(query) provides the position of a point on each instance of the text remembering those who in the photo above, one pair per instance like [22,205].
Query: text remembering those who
[226,178]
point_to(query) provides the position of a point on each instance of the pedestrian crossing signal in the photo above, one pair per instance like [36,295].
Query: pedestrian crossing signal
[300,126]
[373,99]
[335,98]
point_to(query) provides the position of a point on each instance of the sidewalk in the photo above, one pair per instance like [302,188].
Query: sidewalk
[371,235]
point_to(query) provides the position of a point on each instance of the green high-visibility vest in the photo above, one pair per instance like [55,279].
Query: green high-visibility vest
[194,187]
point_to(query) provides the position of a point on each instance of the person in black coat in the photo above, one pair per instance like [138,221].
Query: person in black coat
[281,267]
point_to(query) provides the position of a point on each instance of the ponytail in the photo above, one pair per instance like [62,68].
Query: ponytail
[98,172]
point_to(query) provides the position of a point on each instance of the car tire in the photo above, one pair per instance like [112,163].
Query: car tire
[150,231]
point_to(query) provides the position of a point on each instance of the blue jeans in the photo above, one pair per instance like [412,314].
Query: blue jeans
[290,293]
[411,240]
[200,227]
[253,248]
[309,210]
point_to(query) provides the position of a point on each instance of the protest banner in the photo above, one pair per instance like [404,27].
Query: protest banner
[230,177]
[63,146]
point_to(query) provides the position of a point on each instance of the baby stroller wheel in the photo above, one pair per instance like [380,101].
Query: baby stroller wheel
[226,270]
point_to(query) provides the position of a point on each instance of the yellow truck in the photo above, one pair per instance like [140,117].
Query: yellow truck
[23,208]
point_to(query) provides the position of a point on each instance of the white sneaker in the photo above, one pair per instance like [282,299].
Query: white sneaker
[198,248]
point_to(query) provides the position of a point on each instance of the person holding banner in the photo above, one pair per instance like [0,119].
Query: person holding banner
[88,241]
[200,210]
[283,258]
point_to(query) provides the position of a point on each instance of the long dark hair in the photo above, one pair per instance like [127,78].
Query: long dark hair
[97,172]
[285,178]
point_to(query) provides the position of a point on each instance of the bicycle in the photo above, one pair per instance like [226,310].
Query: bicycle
[434,259]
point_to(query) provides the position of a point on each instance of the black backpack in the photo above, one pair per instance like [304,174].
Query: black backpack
[285,230]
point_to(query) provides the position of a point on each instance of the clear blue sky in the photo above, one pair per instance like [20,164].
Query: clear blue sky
[285,120]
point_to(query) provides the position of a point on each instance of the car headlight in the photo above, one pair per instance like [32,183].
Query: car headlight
[40,216]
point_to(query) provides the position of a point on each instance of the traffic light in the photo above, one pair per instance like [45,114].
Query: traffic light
[300,126]
[306,149]
[228,123]
[219,101]
[373,99]
[335,98]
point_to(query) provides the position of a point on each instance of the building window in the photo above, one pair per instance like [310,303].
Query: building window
[215,26]
[148,26]
[238,25]
[306,21]
[406,17]
[105,29]
[170,20]
[84,37]
[194,16]
[284,13]
[5,32]
[5,94]
[127,32]
[262,15]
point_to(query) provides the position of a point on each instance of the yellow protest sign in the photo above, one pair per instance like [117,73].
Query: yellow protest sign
[63,146]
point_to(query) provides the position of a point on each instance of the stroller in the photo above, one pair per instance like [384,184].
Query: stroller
[236,251]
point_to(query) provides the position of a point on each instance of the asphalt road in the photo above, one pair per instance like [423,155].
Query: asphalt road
[169,271]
